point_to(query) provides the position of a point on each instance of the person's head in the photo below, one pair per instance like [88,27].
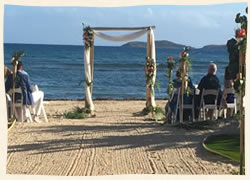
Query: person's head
[20,66]
[178,74]
[228,74]
[212,69]
[233,50]
[232,46]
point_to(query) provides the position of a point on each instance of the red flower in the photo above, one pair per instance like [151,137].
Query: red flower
[242,33]
[182,54]
[170,58]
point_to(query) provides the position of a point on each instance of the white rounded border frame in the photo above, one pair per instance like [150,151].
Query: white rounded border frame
[105,3]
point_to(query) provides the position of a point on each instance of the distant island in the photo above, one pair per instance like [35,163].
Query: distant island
[171,45]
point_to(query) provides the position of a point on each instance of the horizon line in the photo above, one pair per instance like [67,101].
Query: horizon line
[106,45]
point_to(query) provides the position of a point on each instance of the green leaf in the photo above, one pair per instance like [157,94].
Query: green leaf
[157,85]
[159,116]
[18,54]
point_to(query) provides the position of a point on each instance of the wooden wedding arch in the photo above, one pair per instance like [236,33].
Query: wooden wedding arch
[89,34]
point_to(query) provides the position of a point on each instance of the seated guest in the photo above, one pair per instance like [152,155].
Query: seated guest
[209,81]
[171,106]
[30,97]
[228,84]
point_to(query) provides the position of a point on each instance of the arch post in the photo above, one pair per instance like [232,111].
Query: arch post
[150,94]
[88,37]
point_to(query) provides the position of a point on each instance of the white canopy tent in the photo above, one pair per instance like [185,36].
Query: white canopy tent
[88,37]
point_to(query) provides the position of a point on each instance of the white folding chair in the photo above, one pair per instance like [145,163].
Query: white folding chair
[189,106]
[233,105]
[24,110]
[35,88]
[8,105]
[213,106]
[173,113]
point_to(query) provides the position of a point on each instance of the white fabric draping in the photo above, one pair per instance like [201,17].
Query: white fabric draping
[151,54]
[88,78]
[127,37]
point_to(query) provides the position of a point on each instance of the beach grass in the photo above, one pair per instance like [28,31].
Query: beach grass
[224,145]
[77,113]
[11,123]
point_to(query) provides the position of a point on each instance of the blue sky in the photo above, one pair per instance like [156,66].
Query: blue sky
[190,25]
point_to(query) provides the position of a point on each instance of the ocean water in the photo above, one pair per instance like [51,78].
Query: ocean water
[118,71]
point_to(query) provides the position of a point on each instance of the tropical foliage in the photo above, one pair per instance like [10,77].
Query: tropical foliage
[77,113]
[171,65]
[241,36]
[241,33]
[16,56]
[159,113]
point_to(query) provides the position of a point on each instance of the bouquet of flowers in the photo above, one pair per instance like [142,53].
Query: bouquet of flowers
[171,62]
[149,70]
[88,36]
[185,61]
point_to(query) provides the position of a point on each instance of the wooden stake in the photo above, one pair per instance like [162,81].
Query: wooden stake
[86,102]
[183,74]
[92,66]
[170,71]
[148,89]
[13,87]
[241,65]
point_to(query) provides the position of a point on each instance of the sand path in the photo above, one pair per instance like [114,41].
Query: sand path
[116,141]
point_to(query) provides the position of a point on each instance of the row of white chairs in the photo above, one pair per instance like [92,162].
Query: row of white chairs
[203,106]
[22,112]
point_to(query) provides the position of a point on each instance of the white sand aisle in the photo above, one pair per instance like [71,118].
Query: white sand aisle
[116,141]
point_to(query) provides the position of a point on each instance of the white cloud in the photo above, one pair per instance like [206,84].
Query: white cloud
[198,19]
[150,11]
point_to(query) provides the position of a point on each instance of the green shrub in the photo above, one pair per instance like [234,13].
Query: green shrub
[77,113]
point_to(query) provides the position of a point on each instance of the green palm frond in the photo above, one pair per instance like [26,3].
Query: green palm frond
[157,85]
[18,54]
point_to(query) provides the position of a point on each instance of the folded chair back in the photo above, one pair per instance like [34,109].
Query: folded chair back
[204,106]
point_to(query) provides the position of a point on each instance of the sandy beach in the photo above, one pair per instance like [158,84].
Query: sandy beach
[117,141]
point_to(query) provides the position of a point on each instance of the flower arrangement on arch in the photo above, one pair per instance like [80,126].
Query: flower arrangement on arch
[241,33]
[150,67]
[185,62]
[241,37]
[88,36]
[171,65]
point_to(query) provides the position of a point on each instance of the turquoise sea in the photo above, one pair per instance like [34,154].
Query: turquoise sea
[118,71]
